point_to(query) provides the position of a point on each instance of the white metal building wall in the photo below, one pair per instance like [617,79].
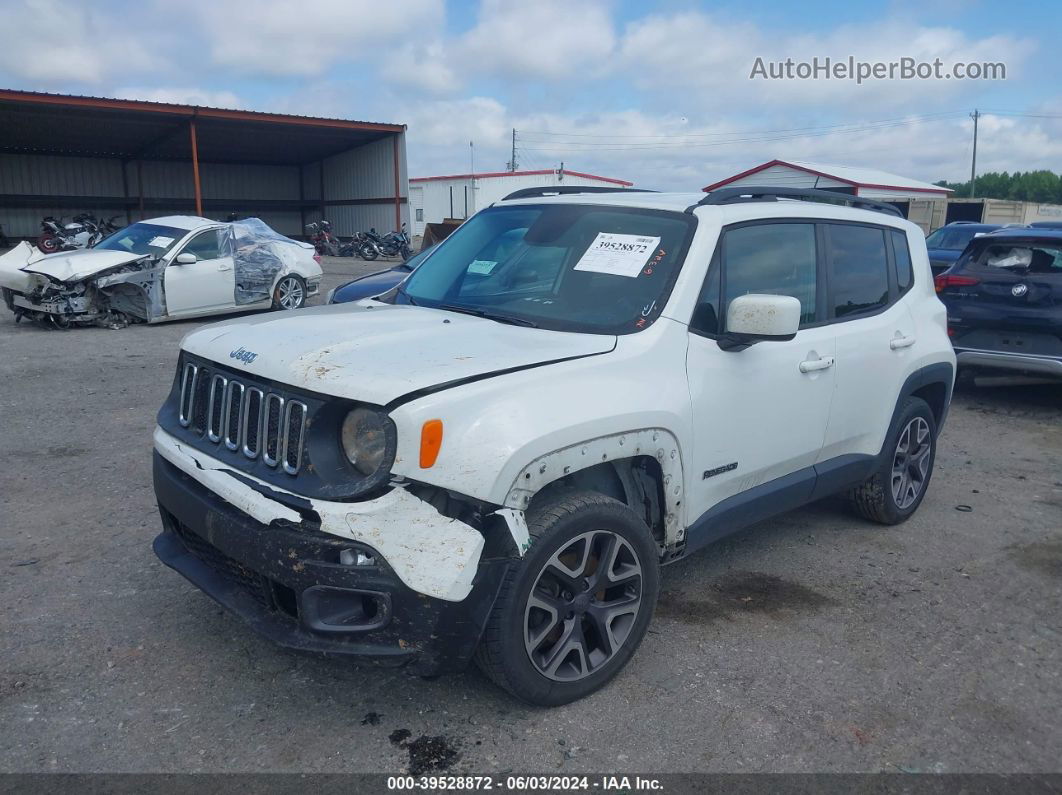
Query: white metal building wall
[434,195]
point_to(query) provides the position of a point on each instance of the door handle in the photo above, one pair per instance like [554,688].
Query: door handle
[811,365]
[901,342]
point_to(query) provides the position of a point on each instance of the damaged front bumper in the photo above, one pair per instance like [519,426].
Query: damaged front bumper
[389,580]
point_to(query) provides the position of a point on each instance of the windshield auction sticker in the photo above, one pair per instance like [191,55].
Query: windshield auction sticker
[619,255]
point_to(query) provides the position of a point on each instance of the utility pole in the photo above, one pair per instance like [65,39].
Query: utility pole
[973,162]
[512,161]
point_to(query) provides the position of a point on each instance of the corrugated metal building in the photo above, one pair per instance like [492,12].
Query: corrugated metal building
[62,155]
[435,199]
[921,202]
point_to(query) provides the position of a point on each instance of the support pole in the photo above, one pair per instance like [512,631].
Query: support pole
[140,188]
[195,168]
[398,188]
[973,161]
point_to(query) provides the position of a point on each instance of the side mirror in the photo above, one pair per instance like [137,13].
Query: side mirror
[186,258]
[760,318]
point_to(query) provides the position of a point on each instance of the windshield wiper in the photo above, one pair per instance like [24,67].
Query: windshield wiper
[407,296]
[483,313]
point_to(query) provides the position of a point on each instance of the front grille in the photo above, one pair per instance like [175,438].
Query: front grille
[250,582]
[225,410]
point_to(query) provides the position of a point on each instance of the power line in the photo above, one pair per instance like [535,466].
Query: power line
[824,127]
[577,146]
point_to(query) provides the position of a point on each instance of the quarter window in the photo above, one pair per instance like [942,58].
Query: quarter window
[902,256]
[778,259]
[859,275]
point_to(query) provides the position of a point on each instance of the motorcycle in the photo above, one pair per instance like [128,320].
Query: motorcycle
[326,243]
[84,232]
[393,244]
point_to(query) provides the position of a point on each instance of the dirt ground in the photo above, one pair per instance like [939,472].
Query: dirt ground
[814,642]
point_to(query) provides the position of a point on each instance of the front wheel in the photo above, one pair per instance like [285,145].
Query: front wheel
[290,293]
[48,244]
[576,607]
[893,493]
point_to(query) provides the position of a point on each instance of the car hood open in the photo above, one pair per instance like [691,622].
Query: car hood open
[75,266]
[382,353]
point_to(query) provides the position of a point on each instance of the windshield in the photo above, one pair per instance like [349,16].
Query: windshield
[567,267]
[143,239]
[954,238]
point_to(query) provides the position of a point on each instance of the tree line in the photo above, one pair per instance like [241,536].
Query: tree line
[1031,186]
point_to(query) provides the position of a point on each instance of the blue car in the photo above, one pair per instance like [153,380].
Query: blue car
[376,283]
[946,243]
[1004,302]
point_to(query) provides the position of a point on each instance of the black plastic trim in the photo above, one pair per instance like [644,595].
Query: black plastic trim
[768,193]
[567,190]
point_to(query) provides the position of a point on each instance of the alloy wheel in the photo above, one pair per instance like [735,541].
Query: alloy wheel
[910,464]
[583,606]
[290,293]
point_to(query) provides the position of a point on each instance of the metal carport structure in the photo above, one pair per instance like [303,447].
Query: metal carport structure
[62,154]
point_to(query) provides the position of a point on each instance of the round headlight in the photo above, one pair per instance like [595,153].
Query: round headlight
[364,439]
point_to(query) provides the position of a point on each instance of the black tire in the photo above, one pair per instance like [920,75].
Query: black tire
[368,252]
[876,498]
[556,525]
[280,299]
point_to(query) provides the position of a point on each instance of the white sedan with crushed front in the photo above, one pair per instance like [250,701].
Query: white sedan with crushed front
[162,269]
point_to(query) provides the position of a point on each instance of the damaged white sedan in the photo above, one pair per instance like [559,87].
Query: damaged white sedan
[161,269]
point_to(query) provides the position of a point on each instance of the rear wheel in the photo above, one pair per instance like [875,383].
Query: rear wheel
[48,244]
[290,293]
[893,493]
[368,252]
[575,609]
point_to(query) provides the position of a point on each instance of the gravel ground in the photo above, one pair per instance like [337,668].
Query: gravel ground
[815,642]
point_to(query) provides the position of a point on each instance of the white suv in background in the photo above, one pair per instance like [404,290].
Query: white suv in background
[493,459]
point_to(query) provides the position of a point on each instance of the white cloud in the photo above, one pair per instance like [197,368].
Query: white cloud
[545,39]
[45,43]
[306,37]
[424,67]
[708,62]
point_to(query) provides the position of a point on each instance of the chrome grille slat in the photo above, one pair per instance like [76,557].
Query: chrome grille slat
[247,419]
[233,414]
[272,428]
[217,397]
[252,422]
[188,379]
[294,421]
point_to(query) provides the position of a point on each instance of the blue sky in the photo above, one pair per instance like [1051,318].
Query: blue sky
[654,92]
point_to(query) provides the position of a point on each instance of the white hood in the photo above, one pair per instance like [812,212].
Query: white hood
[379,354]
[75,266]
[11,274]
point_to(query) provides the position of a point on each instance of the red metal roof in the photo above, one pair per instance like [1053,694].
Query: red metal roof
[819,173]
[110,103]
[541,172]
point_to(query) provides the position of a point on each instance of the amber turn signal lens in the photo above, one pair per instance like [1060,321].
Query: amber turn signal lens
[430,443]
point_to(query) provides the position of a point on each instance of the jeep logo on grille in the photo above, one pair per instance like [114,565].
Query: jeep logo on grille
[244,356]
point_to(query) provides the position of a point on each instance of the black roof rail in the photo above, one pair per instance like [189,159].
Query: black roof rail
[561,190]
[772,194]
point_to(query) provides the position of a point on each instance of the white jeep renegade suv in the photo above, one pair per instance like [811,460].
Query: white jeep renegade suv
[493,460]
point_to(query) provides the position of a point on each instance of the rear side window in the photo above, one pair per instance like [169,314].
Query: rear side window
[902,256]
[778,259]
[859,269]
[1021,257]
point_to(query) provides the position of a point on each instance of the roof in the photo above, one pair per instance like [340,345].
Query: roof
[59,124]
[539,173]
[730,213]
[858,177]
[1021,233]
[188,222]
